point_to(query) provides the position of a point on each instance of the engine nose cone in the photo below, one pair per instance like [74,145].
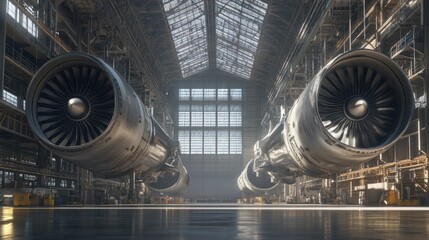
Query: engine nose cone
[357,108]
[77,108]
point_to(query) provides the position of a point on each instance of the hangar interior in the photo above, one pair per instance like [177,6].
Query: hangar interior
[217,76]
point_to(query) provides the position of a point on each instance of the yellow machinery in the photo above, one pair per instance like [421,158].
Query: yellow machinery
[392,197]
[411,202]
[48,200]
[25,200]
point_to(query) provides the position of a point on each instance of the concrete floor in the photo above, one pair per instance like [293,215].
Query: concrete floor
[220,222]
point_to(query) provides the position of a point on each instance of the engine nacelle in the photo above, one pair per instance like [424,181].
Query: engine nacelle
[250,181]
[354,109]
[83,111]
[173,181]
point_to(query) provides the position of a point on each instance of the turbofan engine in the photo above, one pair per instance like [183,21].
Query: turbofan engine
[354,109]
[250,181]
[83,111]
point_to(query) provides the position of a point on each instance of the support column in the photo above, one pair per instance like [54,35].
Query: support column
[43,157]
[3,179]
[2,44]
[350,25]
[426,62]
[40,181]
[131,190]
[350,195]
[298,190]
[211,31]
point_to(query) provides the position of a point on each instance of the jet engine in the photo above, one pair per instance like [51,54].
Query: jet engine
[83,111]
[354,109]
[255,182]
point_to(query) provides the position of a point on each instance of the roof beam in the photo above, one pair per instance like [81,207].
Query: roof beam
[209,6]
[311,23]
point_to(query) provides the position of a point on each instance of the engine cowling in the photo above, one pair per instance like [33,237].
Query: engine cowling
[171,181]
[82,110]
[250,182]
[354,109]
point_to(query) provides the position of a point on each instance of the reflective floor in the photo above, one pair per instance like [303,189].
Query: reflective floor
[218,222]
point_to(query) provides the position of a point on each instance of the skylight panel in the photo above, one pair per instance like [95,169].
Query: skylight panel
[238,27]
[188,28]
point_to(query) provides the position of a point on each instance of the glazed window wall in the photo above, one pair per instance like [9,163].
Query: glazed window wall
[22,18]
[210,121]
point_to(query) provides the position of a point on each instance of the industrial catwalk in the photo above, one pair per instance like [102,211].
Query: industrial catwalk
[215,222]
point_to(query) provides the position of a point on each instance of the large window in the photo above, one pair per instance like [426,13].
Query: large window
[10,98]
[210,115]
[210,121]
[22,18]
[184,141]
[184,115]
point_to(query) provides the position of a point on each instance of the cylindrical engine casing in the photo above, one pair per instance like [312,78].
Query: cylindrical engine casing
[172,183]
[355,108]
[131,141]
[312,149]
[250,182]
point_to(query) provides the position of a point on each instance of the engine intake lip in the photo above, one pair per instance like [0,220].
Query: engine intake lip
[77,76]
